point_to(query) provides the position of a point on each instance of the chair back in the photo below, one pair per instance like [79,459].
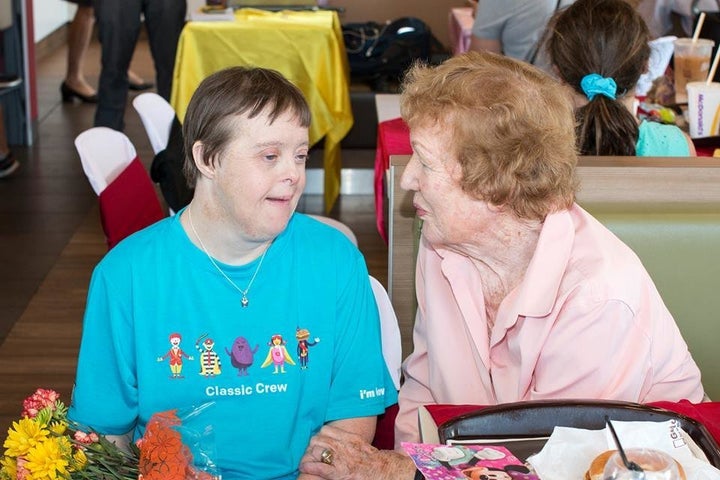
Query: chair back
[390,331]
[127,197]
[104,154]
[338,225]
[156,115]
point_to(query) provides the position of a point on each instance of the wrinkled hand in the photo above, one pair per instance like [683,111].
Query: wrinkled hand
[353,458]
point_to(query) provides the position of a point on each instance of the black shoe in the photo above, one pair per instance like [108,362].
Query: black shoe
[139,87]
[68,94]
[8,165]
[8,81]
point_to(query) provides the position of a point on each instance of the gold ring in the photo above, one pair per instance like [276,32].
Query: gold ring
[326,456]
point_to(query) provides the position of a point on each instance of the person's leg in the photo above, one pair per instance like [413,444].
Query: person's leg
[118,27]
[7,163]
[79,34]
[164,20]
[136,82]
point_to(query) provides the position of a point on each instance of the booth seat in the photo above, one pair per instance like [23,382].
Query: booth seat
[680,248]
[666,209]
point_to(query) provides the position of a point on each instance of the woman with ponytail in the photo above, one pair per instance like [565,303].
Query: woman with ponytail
[600,48]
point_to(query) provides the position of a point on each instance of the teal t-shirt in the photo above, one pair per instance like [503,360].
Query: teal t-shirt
[163,329]
[659,140]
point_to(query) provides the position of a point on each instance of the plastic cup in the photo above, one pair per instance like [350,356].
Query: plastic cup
[656,465]
[703,109]
[691,64]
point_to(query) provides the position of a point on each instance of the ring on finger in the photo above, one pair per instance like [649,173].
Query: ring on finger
[326,456]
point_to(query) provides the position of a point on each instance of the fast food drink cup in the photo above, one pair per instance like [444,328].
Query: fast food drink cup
[656,465]
[691,64]
[703,109]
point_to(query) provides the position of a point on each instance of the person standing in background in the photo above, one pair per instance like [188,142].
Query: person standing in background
[513,28]
[658,14]
[118,29]
[8,164]
[75,85]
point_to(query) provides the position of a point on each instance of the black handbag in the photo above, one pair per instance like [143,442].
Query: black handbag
[386,50]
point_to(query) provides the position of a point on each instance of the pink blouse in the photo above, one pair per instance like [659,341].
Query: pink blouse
[586,322]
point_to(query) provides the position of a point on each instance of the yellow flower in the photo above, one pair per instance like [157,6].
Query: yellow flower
[79,460]
[8,467]
[23,435]
[58,428]
[49,459]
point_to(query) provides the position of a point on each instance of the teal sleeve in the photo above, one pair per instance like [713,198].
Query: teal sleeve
[361,384]
[105,395]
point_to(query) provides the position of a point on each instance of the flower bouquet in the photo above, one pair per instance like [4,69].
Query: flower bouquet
[44,445]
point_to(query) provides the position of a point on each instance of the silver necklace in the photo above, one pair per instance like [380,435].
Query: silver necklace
[244,301]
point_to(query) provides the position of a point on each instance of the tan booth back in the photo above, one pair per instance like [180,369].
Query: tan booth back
[666,209]
[5,14]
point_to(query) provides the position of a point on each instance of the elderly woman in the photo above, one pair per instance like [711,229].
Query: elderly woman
[216,305]
[522,295]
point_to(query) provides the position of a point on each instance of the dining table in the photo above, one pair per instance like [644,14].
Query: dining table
[305,46]
[393,138]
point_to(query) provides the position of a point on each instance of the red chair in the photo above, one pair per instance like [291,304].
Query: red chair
[128,201]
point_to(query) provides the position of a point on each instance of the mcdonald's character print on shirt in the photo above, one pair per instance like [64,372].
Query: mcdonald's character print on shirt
[175,355]
[241,355]
[278,354]
[209,358]
[303,349]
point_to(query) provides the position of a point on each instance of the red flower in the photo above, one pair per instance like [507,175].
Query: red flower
[85,438]
[42,398]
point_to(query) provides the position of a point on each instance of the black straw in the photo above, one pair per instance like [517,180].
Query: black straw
[630,465]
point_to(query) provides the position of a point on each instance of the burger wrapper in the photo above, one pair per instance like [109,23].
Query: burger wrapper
[569,451]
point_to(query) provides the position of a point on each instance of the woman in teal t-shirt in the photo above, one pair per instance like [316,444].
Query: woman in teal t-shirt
[262,316]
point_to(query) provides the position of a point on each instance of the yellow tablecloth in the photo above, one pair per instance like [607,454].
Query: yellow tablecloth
[306,47]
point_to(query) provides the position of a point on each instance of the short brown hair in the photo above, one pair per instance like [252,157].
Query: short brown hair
[227,94]
[511,124]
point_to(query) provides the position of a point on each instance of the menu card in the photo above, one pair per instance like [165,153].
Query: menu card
[462,462]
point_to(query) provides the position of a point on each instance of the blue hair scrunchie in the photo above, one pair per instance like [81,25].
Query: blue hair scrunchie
[594,84]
